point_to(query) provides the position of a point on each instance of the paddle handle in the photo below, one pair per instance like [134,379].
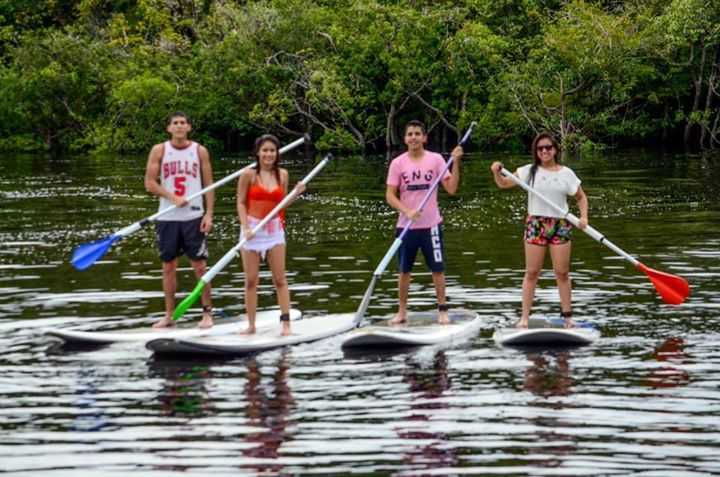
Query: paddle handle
[592,232]
[141,223]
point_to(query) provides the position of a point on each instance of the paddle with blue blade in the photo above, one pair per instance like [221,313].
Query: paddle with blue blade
[673,289]
[398,241]
[85,255]
[233,252]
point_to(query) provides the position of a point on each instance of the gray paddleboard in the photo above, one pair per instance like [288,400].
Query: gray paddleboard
[75,336]
[303,331]
[541,332]
[421,329]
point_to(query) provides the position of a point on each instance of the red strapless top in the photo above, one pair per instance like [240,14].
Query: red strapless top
[261,201]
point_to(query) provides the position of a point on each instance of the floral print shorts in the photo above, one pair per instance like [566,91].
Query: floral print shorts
[547,230]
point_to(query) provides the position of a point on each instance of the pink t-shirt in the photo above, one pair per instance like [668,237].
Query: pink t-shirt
[413,178]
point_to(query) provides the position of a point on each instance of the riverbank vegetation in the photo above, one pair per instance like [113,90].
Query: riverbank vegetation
[103,75]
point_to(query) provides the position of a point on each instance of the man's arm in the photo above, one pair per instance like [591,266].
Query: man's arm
[452,183]
[207,179]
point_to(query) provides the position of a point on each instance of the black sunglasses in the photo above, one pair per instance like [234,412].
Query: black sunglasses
[545,148]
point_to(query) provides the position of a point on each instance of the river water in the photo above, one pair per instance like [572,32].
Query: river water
[643,400]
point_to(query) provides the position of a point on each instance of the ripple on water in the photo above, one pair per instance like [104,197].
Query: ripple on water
[643,400]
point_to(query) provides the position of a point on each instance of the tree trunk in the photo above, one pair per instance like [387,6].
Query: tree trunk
[390,132]
[697,82]
[563,130]
[707,128]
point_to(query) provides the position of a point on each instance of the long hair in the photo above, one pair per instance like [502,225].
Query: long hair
[256,152]
[536,158]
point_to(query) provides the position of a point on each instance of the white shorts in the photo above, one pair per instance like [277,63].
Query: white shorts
[269,236]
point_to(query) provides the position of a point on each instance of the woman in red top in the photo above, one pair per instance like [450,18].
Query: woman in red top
[259,190]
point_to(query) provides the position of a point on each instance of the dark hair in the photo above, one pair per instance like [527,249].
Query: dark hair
[416,123]
[178,114]
[256,151]
[536,158]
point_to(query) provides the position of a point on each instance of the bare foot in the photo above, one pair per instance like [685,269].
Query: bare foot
[250,330]
[166,322]
[400,319]
[522,324]
[206,322]
[569,323]
[285,329]
[443,318]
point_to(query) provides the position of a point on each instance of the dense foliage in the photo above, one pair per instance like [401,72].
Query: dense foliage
[103,75]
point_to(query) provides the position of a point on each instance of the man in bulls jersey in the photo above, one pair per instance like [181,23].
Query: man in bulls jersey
[410,176]
[175,170]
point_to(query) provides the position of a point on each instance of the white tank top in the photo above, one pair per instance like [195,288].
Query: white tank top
[180,173]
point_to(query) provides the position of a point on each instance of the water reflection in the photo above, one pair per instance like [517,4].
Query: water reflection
[549,376]
[672,352]
[427,449]
[549,373]
[90,415]
[184,390]
[267,407]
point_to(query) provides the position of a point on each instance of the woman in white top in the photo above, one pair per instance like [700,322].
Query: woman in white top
[544,227]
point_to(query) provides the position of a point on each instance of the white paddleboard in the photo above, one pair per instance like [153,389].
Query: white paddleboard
[541,332]
[76,336]
[421,329]
[303,331]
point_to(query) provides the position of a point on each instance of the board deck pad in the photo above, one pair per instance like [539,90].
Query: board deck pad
[302,331]
[146,333]
[547,332]
[422,328]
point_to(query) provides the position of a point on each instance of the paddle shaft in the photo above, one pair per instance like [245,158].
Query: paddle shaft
[141,223]
[398,241]
[572,218]
[233,252]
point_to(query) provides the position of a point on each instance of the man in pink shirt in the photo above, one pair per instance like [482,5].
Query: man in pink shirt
[410,176]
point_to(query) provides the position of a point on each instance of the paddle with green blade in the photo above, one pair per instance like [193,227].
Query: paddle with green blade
[398,241]
[233,252]
[85,255]
[673,289]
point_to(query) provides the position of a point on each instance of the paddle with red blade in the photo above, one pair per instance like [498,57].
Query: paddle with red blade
[673,289]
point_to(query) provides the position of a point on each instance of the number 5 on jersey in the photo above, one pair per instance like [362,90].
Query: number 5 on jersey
[180,186]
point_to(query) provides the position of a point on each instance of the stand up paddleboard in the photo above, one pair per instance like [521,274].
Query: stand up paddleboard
[552,332]
[303,331]
[421,329]
[267,318]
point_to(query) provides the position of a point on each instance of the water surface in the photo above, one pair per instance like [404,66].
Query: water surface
[644,400]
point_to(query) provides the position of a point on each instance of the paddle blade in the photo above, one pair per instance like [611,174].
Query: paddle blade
[672,289]
[87,254]
[188,302]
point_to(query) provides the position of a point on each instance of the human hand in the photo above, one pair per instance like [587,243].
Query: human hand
[457,153]
[206,224]
[179,201]
[248,233]
[496,167]
[413,214]
[300,188]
